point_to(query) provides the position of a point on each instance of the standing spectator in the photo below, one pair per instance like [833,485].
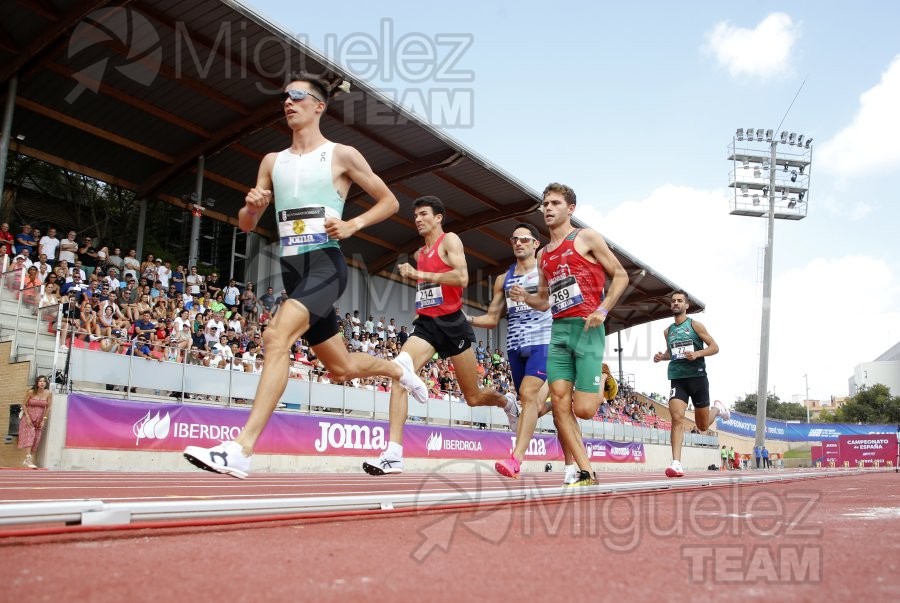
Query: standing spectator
[357,324]
[266,301]
[765,458]
[48,244]
[164,273]
[102,267]
[757,452]
[724,455]
[148,268]
[131,264]
[212,285]
[248,302]
[35,413]
[178,278]
[25,240]
[480,351]
[731,457]
[87,253]
[68,248]
[370,325]
[381,329]
[194,282]
[115,259]
[281,299]
[402,336]
[6,237]
[230,293]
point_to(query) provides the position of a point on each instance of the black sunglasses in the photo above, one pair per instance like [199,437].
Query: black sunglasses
[297,95]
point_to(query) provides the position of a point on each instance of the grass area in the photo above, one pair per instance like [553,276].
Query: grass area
[797,454]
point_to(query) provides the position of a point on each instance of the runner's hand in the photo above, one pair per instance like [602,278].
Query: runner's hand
[517,293]
[407,271]
[594,319]
[338,229]
[258,199]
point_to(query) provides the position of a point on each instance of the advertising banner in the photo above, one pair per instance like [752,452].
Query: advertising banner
[868,449]
[745,425]
[103,423]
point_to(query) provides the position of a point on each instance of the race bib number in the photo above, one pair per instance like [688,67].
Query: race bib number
[680,349]
[302,227]
[428,295]
[564,293]
[514,307]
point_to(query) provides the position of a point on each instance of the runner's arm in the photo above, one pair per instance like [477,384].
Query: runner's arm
[259,197]
[711,349]
[496,310]
[357,169]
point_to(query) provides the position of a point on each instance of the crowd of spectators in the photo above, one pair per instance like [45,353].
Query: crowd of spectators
[158,311]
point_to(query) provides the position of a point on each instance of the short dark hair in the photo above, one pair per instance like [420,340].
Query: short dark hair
[436,205]
[566,191]
[681,292]
[529,227]
[319,86]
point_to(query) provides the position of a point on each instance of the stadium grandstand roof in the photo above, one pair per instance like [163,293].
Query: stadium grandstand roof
[134,93]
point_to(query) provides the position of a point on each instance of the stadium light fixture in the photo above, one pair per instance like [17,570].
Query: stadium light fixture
[740,134]
[766,201]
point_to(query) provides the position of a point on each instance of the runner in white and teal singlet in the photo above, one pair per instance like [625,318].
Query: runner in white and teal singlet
[304,196]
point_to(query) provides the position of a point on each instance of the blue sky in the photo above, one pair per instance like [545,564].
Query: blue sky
[634,105]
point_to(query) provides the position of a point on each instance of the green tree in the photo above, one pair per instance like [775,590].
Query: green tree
[747,405]
[871,405]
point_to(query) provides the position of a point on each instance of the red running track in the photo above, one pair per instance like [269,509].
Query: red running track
[824,539]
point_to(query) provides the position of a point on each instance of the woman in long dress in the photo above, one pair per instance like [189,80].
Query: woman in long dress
[38,401]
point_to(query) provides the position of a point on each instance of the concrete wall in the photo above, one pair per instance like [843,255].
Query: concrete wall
[13,384]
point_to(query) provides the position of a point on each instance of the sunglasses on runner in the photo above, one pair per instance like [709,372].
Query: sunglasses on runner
[297,95]
[523,240]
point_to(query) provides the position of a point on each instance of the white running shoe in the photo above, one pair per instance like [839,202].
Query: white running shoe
[410,381]
[571,475]
[385,464]
[227,458]
[512,413]
[723,412]
[675,470]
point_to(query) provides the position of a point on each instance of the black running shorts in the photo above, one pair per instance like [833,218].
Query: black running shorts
[316,279]
[695,388]
[449,335]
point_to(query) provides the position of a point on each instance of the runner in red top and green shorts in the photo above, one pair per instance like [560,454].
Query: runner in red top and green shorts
[574,268]
[440,325]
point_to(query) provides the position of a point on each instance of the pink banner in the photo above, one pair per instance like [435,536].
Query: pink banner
[124,425]
[831,451]
[868,448]
[816,454]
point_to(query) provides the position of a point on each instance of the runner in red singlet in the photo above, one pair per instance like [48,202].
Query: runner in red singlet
[441,326]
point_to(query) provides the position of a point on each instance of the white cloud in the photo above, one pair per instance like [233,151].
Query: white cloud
[828,315]
[763,51]
[869,144]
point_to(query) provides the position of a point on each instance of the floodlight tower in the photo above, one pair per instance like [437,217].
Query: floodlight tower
[763,169]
